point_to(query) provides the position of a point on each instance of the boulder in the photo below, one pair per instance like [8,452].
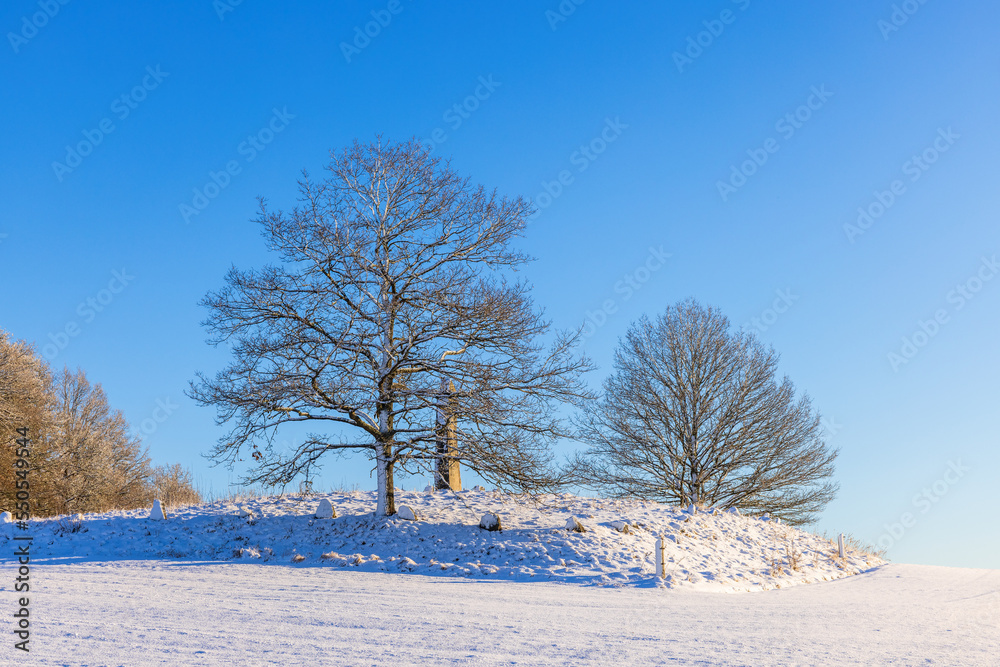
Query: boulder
[407,513]
[491,522]
[574,525]
[622,527]
[325,510]
[157,513]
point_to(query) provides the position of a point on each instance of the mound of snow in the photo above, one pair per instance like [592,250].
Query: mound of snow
[574,525]
[724,552]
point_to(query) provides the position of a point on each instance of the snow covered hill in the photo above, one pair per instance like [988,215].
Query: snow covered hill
[721,551]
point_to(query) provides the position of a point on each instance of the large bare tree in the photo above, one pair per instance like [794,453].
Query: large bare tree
[394,284]
[694,413]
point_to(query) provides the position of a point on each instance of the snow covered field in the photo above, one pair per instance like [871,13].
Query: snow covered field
[277,586]
[162,613]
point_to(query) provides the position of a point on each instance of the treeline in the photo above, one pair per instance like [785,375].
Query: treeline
[84,456]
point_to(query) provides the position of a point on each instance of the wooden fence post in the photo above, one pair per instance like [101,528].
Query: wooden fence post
[660,565]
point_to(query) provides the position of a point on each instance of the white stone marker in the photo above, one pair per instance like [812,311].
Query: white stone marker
[157,513]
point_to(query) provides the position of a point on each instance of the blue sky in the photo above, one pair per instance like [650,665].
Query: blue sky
[803,112]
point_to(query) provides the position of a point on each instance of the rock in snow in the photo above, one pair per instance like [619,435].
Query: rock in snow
[157,513]
[406,512]
[574,524]
[490,521]
[325,510]
[622,527]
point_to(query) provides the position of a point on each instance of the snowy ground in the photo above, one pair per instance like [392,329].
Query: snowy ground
[185,613]
[705,550]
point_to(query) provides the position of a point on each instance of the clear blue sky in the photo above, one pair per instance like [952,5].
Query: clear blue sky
[865,99]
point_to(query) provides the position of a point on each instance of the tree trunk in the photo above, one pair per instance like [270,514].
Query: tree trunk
[386,505]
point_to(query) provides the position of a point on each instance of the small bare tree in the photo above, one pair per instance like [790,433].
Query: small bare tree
[694,414]
[173,485]
[393,284]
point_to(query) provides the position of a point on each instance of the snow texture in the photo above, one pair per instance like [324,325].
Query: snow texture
[248,613]
[723,552]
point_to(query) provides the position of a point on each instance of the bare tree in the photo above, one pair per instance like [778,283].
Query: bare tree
[393,283]
[94,464]
[693,413]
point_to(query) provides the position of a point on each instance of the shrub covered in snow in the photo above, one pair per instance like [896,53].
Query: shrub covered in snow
[574,525]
